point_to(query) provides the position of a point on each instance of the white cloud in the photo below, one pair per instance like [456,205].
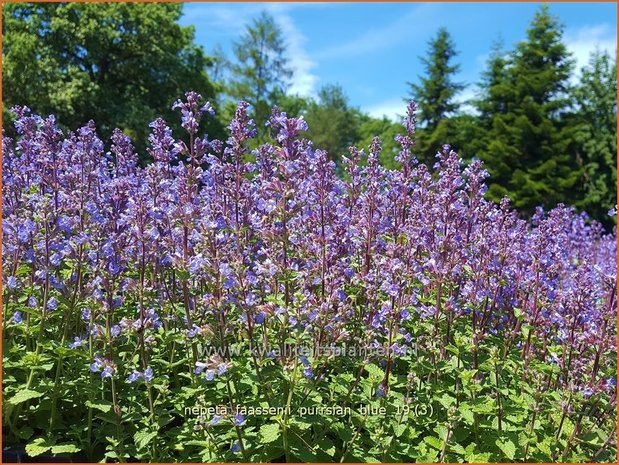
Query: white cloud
[581,42]
[392,108]
[470,92]
[303,79]
[232,19]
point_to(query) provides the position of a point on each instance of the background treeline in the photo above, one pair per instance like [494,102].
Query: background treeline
[545,136]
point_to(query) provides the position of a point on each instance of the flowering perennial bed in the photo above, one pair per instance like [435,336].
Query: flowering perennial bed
[228,304]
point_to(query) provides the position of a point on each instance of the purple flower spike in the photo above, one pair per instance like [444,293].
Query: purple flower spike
[17,317]
[200,367]
[235,447]
[77,342]
[148,374]
[97,365]
[11,282]
[134,376]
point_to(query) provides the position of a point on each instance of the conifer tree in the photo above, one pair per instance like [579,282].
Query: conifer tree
[435,95]
[595,137]
[528,140]
[261,72]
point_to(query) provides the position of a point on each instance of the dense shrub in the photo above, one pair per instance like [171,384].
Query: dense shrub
[427,323]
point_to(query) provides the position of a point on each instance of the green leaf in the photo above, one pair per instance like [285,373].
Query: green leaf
[302,425]
[518,313]
[113,441]
[44,366]
[467,375]
[482,458]
[24,432]
[102,405]
[446,400]
[467,415]
[568,427]
[327,446]
[344,433]
[143,438]
[469,453]
[434,442]
[65,449]
[458,449]
[507,447]
[375,371]
[399,428]
[442,432]
[23,396]
[204,444]
[453,349]
[23,270]
[303,453]
[484,405]
[38,446]
[269,433]
[544,446]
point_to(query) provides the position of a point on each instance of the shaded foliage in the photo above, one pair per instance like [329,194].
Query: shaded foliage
[123,62]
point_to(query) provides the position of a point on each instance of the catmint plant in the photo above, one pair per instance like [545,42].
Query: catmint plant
[324,312]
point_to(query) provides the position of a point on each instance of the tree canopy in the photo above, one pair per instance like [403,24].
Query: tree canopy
[545,131]
[121,63]
[523,109]
[435,94]
[261,71]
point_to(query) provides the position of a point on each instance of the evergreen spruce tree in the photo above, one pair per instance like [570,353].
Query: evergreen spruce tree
[527,152]
[435,95]
[595,137]
[494,86]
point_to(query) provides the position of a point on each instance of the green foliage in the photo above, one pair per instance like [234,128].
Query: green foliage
[123,62]
[333,124]
[435,95]
[443,405]
[387,130]
[261,72]
[269,433]
[293,104]
[23,396]
[595,135]
[525,95]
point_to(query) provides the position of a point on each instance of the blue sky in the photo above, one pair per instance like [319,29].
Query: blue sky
[373,49]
